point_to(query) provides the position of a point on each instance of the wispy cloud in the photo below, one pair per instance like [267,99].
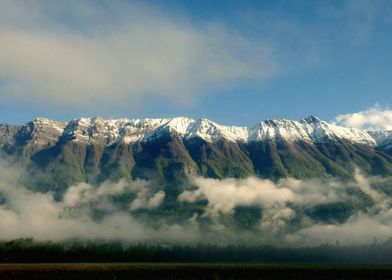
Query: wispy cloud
[84,54]
[360,20]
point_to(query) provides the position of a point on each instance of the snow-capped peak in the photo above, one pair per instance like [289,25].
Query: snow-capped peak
[320,130]
[180,125]
[310,129]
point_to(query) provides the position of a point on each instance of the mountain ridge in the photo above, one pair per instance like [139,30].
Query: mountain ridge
[311,129]
[58,154]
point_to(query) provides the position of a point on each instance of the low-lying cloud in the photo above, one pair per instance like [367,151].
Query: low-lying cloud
[225,195]
[281,205]
[361,228]
[98,212]
[24,213]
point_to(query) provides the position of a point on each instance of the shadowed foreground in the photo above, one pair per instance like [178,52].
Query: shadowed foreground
[190,271]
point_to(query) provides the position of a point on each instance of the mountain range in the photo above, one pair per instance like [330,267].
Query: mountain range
[57,154]
[184,179]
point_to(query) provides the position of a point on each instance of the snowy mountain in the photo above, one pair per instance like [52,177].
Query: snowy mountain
[58,154]
[90,130]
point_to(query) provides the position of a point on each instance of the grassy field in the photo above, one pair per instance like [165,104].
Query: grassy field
[190,271]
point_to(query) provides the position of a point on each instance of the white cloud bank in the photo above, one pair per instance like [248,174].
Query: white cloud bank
[275,199]
[24,213]
[373,118]
[280,203]
[225,195]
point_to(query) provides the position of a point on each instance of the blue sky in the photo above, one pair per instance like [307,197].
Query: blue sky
[235,62]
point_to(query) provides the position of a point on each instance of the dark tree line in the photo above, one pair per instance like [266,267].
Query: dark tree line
[28,250]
